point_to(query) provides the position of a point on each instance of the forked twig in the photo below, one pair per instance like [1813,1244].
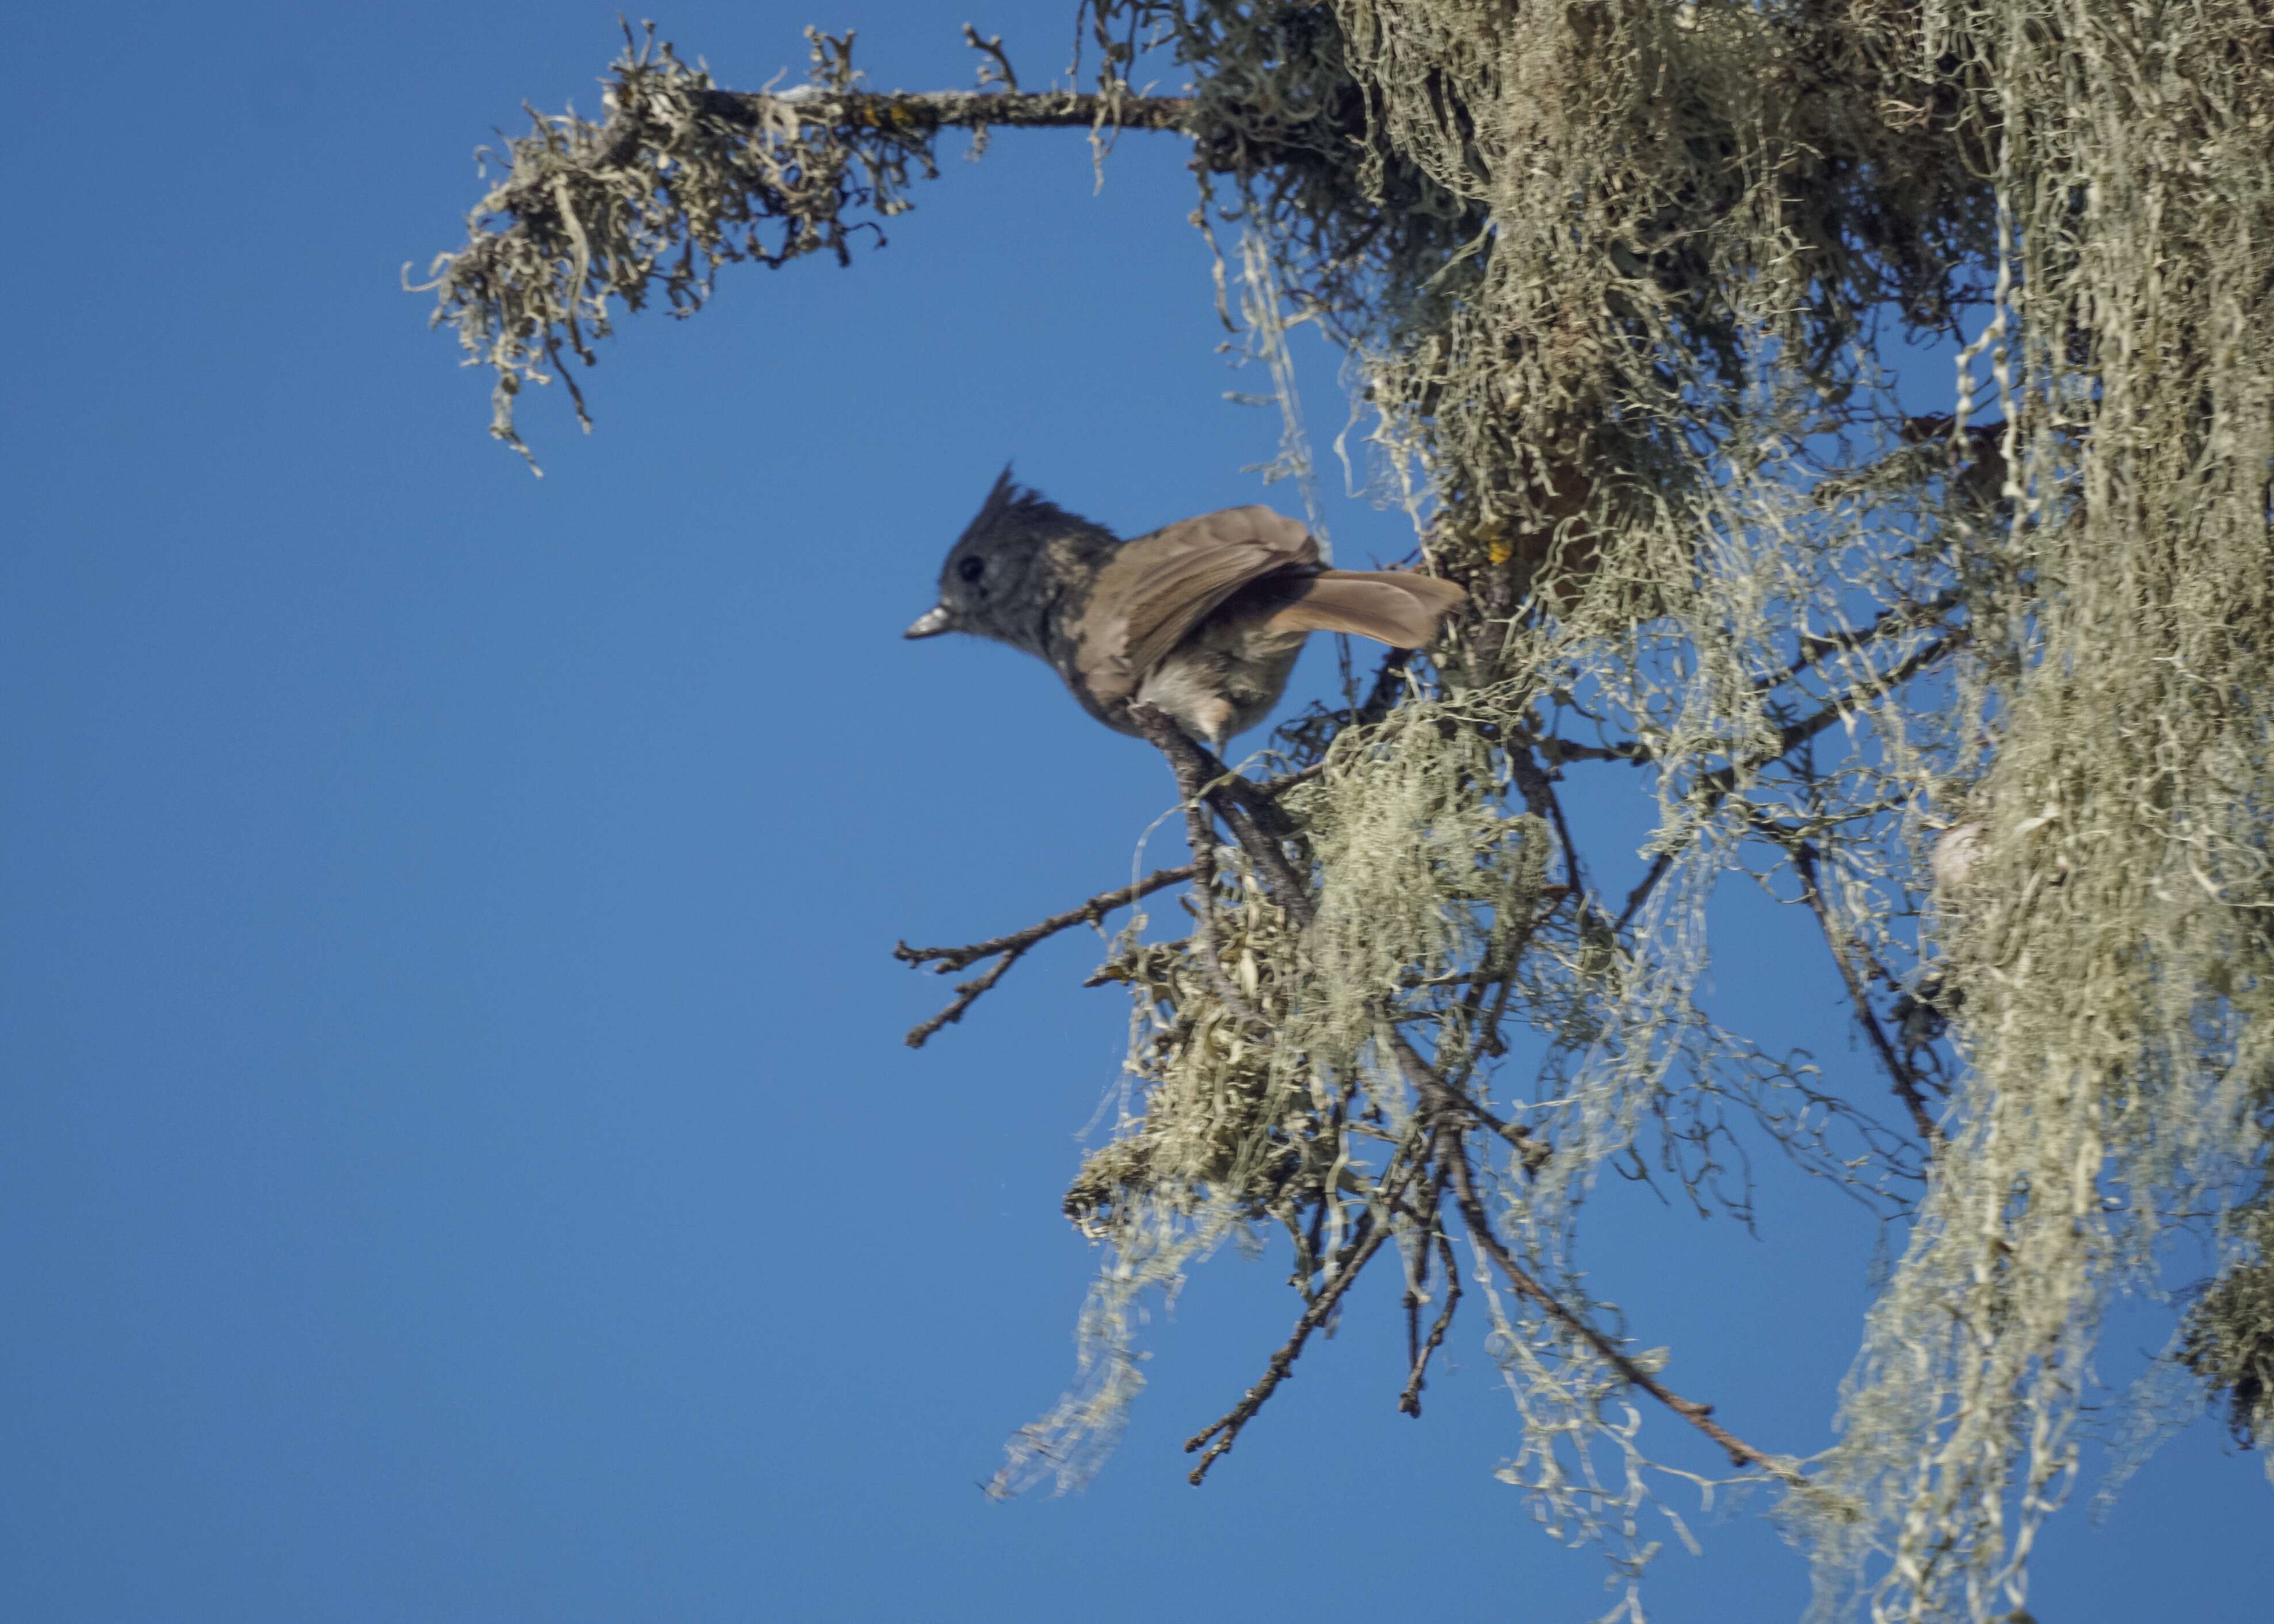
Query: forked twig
[1356,1254]
[997,71]
[1006,950]
[967,994]
[1409,1402]
[1451,1154]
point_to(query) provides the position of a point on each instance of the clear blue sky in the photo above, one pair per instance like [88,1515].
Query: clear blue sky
[457,1158]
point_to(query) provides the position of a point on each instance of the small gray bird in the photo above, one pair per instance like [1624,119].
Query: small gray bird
[1203,618]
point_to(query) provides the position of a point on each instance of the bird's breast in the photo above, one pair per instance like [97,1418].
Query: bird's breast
[1226,677]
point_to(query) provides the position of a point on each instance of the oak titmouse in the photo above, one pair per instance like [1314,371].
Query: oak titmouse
[1202,618]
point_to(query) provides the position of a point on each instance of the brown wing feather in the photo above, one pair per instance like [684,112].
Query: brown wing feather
[1405,611]
[1160,586]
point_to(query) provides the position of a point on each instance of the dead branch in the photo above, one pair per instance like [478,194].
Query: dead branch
[967,994]
[1366,1239]
[1904,1076]
[1006,950]
[1225,1431]
[1444,1109]
[1409,1402]
[1718,784]
[944,961]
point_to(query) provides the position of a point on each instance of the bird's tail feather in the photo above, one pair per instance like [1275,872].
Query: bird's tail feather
[1405,611]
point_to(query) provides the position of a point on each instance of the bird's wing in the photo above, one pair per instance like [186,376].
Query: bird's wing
[1157,588]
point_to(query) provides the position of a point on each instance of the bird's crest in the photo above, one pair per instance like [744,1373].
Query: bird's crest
[1011,508]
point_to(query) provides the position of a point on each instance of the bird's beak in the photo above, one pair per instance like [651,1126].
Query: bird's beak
[931,623]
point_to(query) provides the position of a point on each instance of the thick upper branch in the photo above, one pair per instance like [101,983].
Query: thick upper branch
[683,176]
[962,109]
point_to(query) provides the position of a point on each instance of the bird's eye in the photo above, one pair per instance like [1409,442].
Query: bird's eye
[972,567]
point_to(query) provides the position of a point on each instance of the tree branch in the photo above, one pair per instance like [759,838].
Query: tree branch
[1718,784]
[1901,618]
[1409,1402]
[1795,733]
[1640,894]
[1365,1241]
[919,111]
[1445,1112]
[1256,824]
[1901,1072]
[948,960]
[1444,1108]
[684,176]
[1225,1431]
[1008,948]
[967,994]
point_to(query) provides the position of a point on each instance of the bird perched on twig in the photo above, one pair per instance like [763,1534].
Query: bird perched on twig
[1203,618]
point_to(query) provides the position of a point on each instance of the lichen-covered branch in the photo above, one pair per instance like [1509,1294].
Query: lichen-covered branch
[683,176]
[1439,1157]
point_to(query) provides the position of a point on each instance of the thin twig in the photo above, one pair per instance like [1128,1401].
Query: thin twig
[1903,617]
[1659,868]
[967,994]
[1451,1153]
[1700,1416]
[1560,750]
[1901,1072]
[999,71]
[1226,1431]
[1536,785]
[945,960]
[1417,1277]
[1409,1402]
[1355,1254]
[1009,949]
[1793,735]
[1718,784]
[1489,974]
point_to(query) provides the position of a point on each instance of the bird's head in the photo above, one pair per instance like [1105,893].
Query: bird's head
[995,583]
